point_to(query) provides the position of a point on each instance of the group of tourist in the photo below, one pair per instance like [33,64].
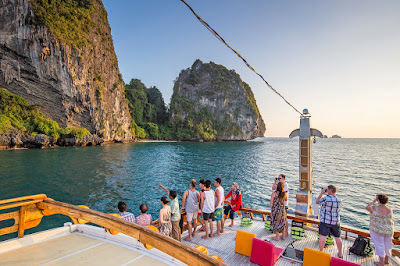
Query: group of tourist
[204,205]
[381,218]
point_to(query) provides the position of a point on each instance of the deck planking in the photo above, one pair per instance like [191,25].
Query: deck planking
[224,245]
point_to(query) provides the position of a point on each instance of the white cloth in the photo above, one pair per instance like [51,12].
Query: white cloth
[383,244]
[221,197]
[209,202]
[190,216]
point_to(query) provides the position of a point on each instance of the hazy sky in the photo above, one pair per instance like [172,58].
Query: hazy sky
[340,59]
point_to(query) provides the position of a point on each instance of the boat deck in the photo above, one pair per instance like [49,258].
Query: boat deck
[224,245]
[87,245]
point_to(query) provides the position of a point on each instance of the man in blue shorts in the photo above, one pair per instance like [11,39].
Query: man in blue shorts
[329,217]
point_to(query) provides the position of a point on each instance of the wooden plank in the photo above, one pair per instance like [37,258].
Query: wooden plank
[9,215]
[18,204]
[21,225]
[32,197]
[165,244]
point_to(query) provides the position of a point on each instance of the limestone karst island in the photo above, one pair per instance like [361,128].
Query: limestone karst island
[60,85]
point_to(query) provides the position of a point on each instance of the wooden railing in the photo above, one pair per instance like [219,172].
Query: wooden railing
[33,208]
[346,229]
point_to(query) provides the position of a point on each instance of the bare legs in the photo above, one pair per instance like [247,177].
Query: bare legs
[206,228]
[338,244]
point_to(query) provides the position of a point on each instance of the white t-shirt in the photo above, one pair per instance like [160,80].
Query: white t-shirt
[286,189]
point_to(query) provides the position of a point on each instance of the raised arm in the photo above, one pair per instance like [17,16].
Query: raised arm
[323,191]
[165,189]
[369,206]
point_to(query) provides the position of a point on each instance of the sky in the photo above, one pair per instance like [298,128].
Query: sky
[339,59]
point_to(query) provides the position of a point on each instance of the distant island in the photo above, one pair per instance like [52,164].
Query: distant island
[336,137]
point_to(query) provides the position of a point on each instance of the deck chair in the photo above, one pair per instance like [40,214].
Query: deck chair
[340,262]
[264,253]
[314,257]
[244,242]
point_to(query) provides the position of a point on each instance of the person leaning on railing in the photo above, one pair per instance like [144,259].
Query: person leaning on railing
[381,227]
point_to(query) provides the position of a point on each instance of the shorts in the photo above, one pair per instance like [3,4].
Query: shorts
[218,214]
[190,216]
[326,229]
[208,216]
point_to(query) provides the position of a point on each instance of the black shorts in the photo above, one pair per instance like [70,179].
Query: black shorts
[208,216]
[325,229]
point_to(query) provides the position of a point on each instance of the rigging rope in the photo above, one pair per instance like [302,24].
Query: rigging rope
[244,60]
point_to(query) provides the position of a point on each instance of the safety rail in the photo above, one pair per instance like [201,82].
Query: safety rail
[346,229]
[33,208]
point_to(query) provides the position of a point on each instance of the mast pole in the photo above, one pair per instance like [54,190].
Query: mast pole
[304,192]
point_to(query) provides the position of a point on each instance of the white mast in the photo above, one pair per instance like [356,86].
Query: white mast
[304,193]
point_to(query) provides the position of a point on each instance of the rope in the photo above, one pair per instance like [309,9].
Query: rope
[244,60]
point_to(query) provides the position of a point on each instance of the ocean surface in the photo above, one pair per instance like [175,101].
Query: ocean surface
[101,176]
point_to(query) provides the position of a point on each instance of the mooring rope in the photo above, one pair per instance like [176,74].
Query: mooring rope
[244,60]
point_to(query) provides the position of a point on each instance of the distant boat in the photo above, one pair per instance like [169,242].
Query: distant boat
[336,137]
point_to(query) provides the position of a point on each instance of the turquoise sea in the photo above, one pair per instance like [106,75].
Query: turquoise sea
[101,176]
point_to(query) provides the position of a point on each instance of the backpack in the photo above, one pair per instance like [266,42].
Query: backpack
[361,247]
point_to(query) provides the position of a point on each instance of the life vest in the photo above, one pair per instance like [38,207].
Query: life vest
[246,221]
[268,225]
[329,240]
[297,233]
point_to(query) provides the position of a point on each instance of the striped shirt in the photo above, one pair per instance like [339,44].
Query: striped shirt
[330,209]
[127,216]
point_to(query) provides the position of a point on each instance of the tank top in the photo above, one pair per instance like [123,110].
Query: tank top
[208,206]
[221,197]
[382,225]
[191,202]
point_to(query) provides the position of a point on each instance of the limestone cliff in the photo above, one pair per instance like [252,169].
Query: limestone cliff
[213,103]
[70,69]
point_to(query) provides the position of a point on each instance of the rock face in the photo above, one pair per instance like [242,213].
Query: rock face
[216,101]
[76,87]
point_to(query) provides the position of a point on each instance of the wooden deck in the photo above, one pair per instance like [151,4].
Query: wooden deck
[224,245]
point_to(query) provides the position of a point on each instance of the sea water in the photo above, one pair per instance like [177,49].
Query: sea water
[101,176]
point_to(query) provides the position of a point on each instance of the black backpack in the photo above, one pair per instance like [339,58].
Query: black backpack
[361,247]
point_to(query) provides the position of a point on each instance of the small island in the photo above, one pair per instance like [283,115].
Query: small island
[336,137]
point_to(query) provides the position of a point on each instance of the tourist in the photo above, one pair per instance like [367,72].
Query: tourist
[329,217]
[164,220]
[127,216]
[236,202]
[219,206]
[208,208]
[278,212]
[202,183]
[282,179]
[144,219]
[192,198]
[381,228]
[175,213]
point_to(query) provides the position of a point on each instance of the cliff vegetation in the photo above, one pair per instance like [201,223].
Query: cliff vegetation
[16,115]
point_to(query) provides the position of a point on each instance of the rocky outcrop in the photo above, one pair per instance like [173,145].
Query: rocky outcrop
[76,87]
[216,103]
[16,140]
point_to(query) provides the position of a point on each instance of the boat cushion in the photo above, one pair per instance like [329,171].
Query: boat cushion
[244,242]
[314,257]
[264,253]
[340,262]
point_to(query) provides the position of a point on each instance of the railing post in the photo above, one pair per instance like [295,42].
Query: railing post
[21,224]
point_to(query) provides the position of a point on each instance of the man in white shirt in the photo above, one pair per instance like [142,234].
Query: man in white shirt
[282,178]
